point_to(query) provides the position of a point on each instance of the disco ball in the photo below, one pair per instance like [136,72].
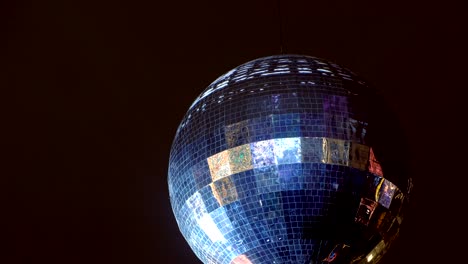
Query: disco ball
[288,159]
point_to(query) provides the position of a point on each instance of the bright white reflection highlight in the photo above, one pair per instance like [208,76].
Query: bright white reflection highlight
[274,73]
[262,153]
[214,89]
[287,150]
[209,227]
[370,257]
[204,220]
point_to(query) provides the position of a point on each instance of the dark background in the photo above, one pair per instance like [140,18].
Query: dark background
[93,92]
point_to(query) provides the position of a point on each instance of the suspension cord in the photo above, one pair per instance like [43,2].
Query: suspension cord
[280,22]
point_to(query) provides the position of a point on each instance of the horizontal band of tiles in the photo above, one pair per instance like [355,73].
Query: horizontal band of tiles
[221,226]
[292,150]
[229,190]
[225,190]
[291,66]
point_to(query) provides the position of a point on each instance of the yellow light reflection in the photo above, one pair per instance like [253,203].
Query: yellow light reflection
[219,165]
[240,159]
[224,190]
[324,150]
[377,190]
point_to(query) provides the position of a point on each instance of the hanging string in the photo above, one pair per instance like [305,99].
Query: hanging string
[280,22]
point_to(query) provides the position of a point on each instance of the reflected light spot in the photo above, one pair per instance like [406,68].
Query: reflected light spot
[241,259]
[209,227]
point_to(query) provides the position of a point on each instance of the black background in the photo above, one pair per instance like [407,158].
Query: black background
[93,92]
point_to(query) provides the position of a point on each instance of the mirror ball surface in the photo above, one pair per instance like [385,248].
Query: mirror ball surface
[288,159]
